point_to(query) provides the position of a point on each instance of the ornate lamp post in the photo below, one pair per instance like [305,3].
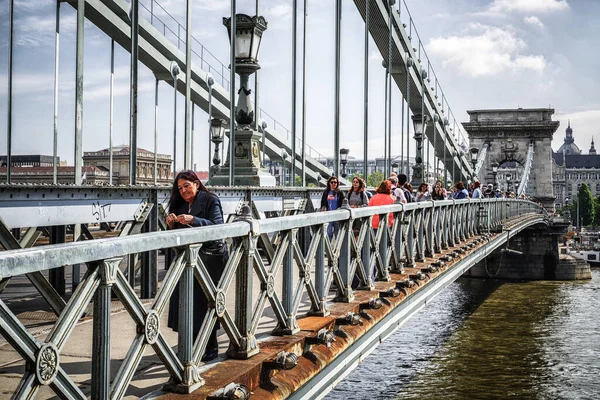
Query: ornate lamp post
[508,178]
[395,167]
[344,161]
[417,177]
[246,140]
[217,131]
[474,151]
[495,174]
[284,156]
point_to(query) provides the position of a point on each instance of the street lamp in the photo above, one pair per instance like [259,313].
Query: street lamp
[344,160]
[217,131]
[495,174]
[418,167]
[243,164]
[474,151]
[508,178]
[247,36]
[284,156]
[395,167]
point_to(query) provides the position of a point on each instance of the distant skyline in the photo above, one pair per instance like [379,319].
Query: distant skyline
[486,54]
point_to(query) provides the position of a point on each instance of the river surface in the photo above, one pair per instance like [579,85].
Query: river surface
[486,339]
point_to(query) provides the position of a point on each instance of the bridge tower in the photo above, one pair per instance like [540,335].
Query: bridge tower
[509,134]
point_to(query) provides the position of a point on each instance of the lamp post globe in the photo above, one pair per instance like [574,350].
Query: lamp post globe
[344,161]
[217,132]
[495,174]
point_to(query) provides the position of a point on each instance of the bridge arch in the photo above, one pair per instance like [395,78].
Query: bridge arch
[509,134]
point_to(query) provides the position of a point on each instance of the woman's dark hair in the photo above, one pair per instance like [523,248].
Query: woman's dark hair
[421,186]
[459,185]
[385,187]
[476,184]
[337,187]
[328,188]
[408,186]
[361,185]
[176,200]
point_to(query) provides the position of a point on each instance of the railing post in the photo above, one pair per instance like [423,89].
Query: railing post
[383,249]
[410,241]
[464,221]
[420,256]
[101,339]
[452,225]
[291,327]
[365,254]
[243,294]
[149,271]
[345,294]
[191,375]
[320,273]
[445,231]
[428,216]
[398,245]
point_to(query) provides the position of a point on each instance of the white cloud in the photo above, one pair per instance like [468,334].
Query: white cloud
[483,50]
[535,21]
[375,55]
[280,11]
[528,6]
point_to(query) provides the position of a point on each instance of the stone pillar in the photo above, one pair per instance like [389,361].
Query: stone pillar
[248,171]
[509,133]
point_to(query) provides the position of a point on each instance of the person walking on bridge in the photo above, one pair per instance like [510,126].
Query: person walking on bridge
[461,192]
[477,190]
[193,205]
[383,196]
[356,195]
[423,192]
[332,200]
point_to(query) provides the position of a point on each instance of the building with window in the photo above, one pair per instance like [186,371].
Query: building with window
[39,169]
[571,168]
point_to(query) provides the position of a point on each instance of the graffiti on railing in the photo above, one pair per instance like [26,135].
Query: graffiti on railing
[100,211]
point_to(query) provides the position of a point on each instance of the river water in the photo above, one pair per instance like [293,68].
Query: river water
[486,339]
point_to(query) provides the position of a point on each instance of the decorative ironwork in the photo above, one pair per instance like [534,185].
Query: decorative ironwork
[220,303]
[270,285]
[152,327]
[46,364]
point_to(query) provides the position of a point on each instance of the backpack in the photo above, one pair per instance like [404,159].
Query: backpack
[408,196]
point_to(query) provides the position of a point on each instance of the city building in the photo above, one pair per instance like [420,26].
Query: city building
[38,169]
[571,168]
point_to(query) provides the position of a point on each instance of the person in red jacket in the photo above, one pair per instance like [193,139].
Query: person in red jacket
[383,196]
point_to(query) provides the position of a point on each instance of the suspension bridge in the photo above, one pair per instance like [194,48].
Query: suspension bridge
[297,309]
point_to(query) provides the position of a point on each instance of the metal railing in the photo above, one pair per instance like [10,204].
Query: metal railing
[415,231]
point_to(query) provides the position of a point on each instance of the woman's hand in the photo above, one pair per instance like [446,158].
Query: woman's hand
[185,219]
[171,219]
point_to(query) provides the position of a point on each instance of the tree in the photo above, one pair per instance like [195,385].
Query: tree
[597,211]
[374,179]
[585,202]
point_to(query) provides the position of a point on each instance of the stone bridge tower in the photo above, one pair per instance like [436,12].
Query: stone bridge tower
[509,133]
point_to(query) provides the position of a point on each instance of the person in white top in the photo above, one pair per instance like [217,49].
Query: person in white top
[423,192]
[396,191]
[477,190]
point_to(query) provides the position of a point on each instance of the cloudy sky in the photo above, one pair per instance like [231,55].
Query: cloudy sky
[486,54]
